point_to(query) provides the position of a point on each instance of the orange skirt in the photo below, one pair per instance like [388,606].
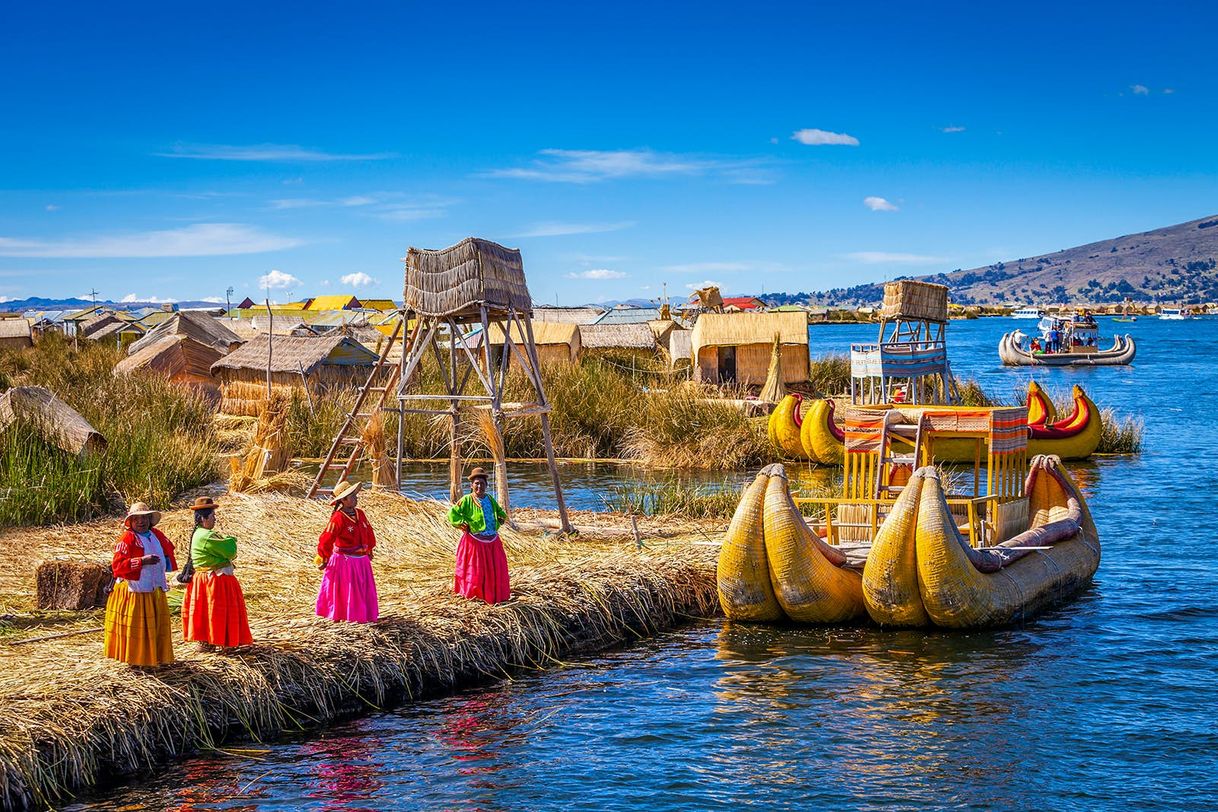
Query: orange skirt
[137,626]
[213,611]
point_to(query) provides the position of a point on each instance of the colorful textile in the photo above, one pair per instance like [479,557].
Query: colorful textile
[348,590]
[128,551]
[345,534]
[468,512]
[213,610]
[482,570]
[137,627]
[211,551]
[1009,431]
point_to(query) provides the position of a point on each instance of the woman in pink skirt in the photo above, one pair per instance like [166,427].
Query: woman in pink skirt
[344,554]
[481,563]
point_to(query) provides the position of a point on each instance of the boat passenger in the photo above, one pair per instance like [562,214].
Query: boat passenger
[1035,345]
[344,554]
[482,570]
[137,611]
[213,611]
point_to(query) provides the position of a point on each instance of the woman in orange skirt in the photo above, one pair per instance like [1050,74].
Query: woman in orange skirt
[137,612]
[482,570]
[213,612]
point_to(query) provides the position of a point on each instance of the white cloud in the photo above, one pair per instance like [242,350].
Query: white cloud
[1169,90]
[953,129]
[4,299]
[592,166]
[705,283]
[296,203]
[820,138]
[408,212]
[385,206]
[886,257]
[1140,90]
[52,207]
[357,200]
[212,300]
[555,229]
[597,273]
[879,204]
[359,279]
[199,240]
[277,280]
[131,298]
[266,152]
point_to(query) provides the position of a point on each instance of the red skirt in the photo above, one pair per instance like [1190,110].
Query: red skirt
[213,611]
[482,570]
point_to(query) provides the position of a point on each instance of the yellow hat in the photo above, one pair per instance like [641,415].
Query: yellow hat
[344,489]
[142,509]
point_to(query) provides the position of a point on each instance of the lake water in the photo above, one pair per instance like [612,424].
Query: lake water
[1107,703]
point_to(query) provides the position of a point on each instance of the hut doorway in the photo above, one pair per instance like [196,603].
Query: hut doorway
[727,365]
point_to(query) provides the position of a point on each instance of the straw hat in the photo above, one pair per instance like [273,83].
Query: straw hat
[205,503]
[344,489]
[142,509]
[478,472]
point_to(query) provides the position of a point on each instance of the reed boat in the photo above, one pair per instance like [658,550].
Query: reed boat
[936,546]
[1121,353]
[772,566]
[813,422]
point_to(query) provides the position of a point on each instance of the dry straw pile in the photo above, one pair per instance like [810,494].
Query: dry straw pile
[73,718]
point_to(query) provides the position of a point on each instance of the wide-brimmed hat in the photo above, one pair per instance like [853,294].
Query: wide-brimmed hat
[478,472]
[205,503]
[142,509]
[344,489]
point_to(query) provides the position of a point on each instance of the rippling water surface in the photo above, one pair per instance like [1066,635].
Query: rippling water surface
[1105,703]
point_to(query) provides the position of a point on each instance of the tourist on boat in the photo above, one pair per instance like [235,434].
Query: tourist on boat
[213,611]
[344,554]
[1055,340]
[137,613]
[1035,345]
[482,570]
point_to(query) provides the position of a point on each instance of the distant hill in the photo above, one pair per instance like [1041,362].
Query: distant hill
[40,303]
[1177,264]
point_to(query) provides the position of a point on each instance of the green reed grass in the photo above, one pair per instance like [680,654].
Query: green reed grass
[159,438]
[675,497]
[830,375]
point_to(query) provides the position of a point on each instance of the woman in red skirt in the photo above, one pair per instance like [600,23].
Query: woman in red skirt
[481,563]
[213,611]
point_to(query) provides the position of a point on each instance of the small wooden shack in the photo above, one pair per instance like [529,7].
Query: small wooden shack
[15,334]
[316,364]
[634,342]
[735,347]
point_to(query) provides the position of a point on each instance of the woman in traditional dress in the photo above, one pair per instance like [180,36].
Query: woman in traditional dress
[137,613]
[213,612]
[344,554]
[482,570]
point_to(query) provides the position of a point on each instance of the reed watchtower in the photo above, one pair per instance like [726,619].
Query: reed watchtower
[909,361]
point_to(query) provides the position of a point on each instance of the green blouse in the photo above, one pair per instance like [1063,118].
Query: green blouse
[211,551]
[468,511]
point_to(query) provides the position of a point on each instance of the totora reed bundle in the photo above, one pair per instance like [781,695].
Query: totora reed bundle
[73,719]
[267,454]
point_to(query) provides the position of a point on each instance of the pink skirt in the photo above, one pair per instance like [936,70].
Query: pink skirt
[348,591]
[482,570]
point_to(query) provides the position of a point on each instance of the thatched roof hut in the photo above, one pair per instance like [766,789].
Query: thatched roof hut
[680,349]
[458,280]
[571,315]
[179,358]
[557,342]
[295,362]
[635,340]
[199,327]
[15,334]
[735,347]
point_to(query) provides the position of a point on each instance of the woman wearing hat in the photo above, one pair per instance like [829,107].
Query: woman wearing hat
[213,611]
[344,553]
[137,613]
[482,570]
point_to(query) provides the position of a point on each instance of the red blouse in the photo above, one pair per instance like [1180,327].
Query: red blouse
[128,551]
[346,535]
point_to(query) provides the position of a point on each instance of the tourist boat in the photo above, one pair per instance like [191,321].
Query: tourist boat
[808,429]
[994,548]
[1174,314]
[1028,313]
[1012,353]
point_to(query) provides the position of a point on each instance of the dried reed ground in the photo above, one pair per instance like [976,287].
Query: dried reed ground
[73,719]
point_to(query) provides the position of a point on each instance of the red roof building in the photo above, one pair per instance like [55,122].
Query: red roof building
[743,303]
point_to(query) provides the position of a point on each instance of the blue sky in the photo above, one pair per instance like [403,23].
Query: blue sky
[172,150]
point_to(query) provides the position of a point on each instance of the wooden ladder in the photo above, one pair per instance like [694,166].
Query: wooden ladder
[348,445]
[887,458]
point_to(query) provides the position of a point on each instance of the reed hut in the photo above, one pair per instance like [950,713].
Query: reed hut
[557,342]
[180,358]
[335,302]
[680,349]
[292,363]
[571,315]
[15,334]
[735,347]
[628,342]
[199,327]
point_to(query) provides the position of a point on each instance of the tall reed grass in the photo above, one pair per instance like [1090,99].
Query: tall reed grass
[675,497]
[159,437]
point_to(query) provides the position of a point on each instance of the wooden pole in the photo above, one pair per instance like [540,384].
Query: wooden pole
[454,485]
[270,341]
[501,483]
[531,350]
